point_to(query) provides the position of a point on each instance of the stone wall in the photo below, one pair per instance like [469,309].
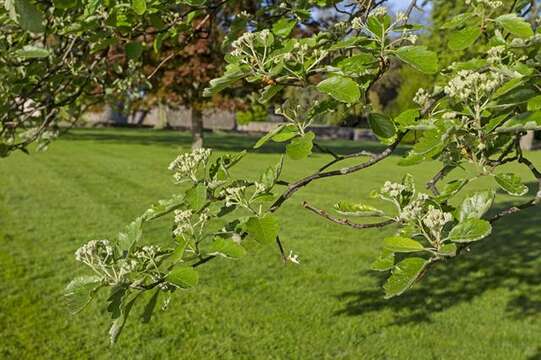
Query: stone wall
[213,120]
[161,118]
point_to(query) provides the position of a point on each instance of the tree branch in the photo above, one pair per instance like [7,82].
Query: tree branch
[431,185]
[296,186]
[535,201]
[345,222]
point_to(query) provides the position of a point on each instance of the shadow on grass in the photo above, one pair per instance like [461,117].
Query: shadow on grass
[219,141]
[510,259]
[536,356]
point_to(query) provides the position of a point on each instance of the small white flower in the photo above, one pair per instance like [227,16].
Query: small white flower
[450,115]
[357,23]
[392,189]
[401,16]
[494,54]
[422,97]
[294,258]
[379,11]
[186,165]
[469,83]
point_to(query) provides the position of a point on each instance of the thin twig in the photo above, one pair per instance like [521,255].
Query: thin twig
[172,55]
[535,201]
[296,186]
[345,222]
[431,185]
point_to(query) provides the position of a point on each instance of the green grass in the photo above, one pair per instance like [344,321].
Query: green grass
[89,184]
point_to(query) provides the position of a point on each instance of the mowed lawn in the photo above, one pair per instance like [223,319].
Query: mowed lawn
[91,183]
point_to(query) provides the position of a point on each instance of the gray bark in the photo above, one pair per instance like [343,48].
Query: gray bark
[526,142]
[197,128]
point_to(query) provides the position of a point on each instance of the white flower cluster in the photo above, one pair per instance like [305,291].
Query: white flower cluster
[392,189]
[187,224]
[247,41]
[469,83]
[494,4]
[186,165]
[435,220]
[95,251]
[401,16]
[357,23]
[421,98]
[182,221]
[148,252]
[414,210]
[98,255]
[449,115]
[494,54]
[411,38]
[125,266]
[234,195]
[379,11]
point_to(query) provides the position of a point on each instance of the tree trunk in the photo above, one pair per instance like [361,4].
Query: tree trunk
[526,142]
[197,127]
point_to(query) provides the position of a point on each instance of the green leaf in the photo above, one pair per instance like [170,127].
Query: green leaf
[384,262]
[475,205]
[79,292]
[451,189]
[116,298]
[265,138]
[403,276]
[376,26]
[195,3]
[515,96]
[118,324]
[381,125]
[65,4]
[283,27]
[196,197]
[511,183]
[522,122]
[458,20]
[184,277]
[508,86]
[149,307]
[407,118]
[301,147]
[420,58]
[515,25]
[494,123]
[350,209]
[470,230]
[264,229]
[227,248]
[287,133]
[29,17]
[139,6]
[132,235]
[534,104]
[233,73]
[463,39]
[269,177]
[163,207]
[134,50]
[32,52]
[269,92]
[448,250]
[431,143]
[402,244]
[356,64]
[341,88]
